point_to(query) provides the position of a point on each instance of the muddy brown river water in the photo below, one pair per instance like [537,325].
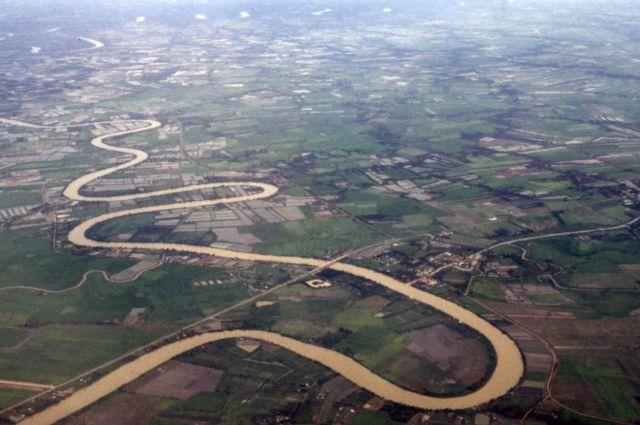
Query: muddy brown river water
[509,365]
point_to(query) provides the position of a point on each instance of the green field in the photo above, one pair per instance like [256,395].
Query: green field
[9,396]
[17,198]
[27,259]
[61,352]
[613,389]
[489,289]
[10,337]
[167,294]
[313,237]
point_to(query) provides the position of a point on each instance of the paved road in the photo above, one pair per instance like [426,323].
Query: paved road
[21,385]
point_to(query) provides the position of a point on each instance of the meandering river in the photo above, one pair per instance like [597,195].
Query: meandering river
[509,365]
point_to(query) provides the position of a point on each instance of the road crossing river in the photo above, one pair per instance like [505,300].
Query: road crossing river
[509,365]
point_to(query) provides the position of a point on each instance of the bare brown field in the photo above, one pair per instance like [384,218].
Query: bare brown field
[463,357]
[121,408]
[523,311]
[180,380]
[603,332]
[632,269]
